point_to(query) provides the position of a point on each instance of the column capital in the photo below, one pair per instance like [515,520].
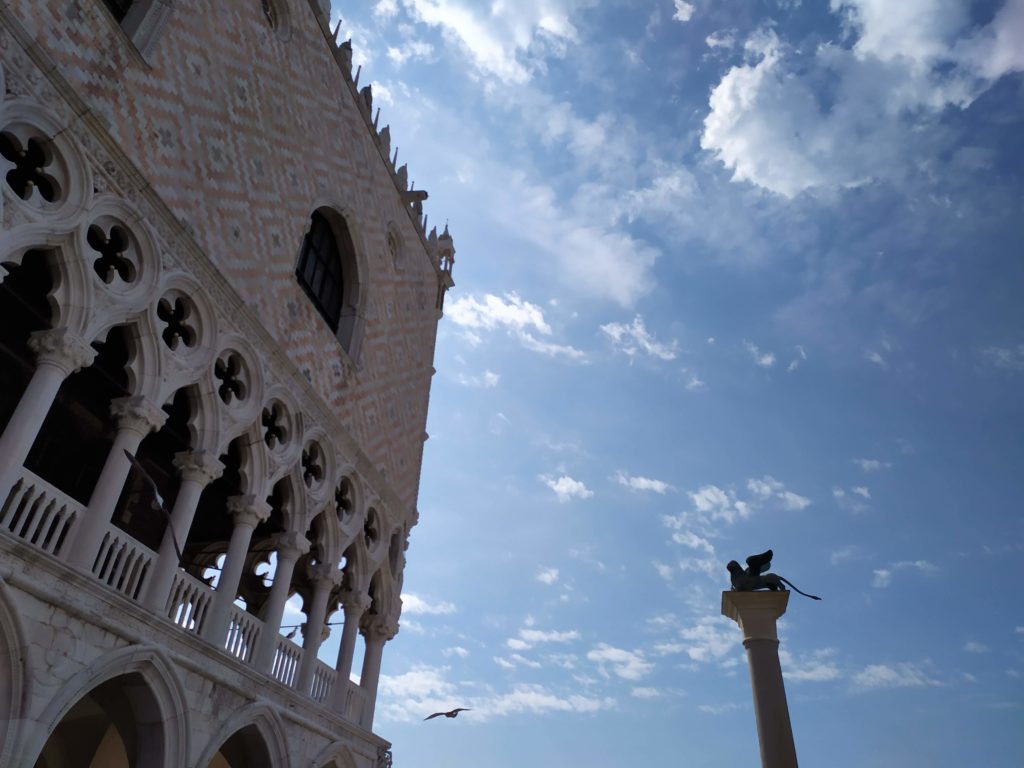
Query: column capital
[248,510]
[137,414]
[376,627]
[61,348]
[756,612]
[201,467]
[324,575]
[291,546]
[355,603]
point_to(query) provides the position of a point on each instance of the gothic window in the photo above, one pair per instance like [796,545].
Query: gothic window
[141,20]
[118,8]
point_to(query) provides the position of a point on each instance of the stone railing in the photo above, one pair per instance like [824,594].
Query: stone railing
[323,681]
[287,658]
[122,562]
[243,632]
[188,602]
[37,513]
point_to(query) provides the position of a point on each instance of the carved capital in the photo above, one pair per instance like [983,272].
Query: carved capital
[291,546]
[137,414]
[324,575]
[248,510]
[378,627]
[200,467]
[355,604]
[62,349]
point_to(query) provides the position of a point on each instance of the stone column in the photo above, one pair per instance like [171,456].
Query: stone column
[135,417]
[354,604]
[247,512]
[757,613]
[58,355]
[290,547]
[377,631]
[197,470]
[325,578]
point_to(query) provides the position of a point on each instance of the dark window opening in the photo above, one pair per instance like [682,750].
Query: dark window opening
[320,269]
[119,8]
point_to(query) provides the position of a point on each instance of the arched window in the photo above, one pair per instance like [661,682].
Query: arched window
[327,272]
[119,8]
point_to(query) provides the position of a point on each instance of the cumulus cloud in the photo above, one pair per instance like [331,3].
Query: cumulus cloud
[710,639]
[547,575]
[629,665]
[519,318]
[816,667]
[567,489]
[529,637]
[768,487]
[634,339]
[639,483]
[862,491]
[901,675]
[414,604]
[771,124]
[684,10]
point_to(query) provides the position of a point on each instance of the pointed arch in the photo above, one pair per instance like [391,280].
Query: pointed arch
[258,726]
[157,700]
[14,683]
[335,755]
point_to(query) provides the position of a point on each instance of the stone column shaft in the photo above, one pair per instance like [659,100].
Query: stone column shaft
[313,631]
[354,605]
[135,418]
[377,632]
[197,470]
[757,614]
[290,548]
[58,356]
[247,512]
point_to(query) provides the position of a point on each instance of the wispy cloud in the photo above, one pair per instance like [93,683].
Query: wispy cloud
[710,639]
[567,488]
[639,483]
[972,646]
[414,604]
[486,380]
[547,575]
[883,576]
[763,359]
[900,675]
[518,317]
[1007,358]
[871,465]
[635,339]
[528,638]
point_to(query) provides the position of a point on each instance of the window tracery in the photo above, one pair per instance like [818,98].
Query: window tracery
[29,159]
[175,312]
[111,245]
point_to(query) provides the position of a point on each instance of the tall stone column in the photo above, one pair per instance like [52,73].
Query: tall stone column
[354,604]
[58,355]
[135,417]
[247,512]
[377,631]
[325,578]
[757,614]
[290,547]
[197,470]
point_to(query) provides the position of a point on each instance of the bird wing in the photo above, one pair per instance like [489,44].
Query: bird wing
[460,709]
[760,563]
[158,499]
[436,714]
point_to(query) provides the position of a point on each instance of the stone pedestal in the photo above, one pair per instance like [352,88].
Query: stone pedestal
[757,614]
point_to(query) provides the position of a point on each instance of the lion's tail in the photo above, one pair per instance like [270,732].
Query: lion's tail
[797,589]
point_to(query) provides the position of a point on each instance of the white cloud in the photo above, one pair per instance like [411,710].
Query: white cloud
[528,638]
[769,124]
[718,709]
[710,639]
[902,675]
[634,338]
[684,11]
[537,700]
[719,504]
[411,49]
[414,604]
[725,38]
[768,486]
[665,571]
[566,488]
[638,483]
[871,465]
[798,360]
[644,692]
[862,491]
[693,541]
[456,650]
[486,380]
[695,383]
[1007,358]
[763,359]
[873,356]
[851,552]
[974,647]
[629,665]
[387,9]
[883,576]
[817,667]
[519,318]
[547,575]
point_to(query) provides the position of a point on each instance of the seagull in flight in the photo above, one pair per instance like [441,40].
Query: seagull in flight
[158,500]
[452,713]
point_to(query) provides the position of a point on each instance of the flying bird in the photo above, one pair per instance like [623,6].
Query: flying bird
[158,500]
[452,713]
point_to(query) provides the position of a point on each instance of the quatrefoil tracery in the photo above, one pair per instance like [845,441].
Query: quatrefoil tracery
[230,371]
[28,172]
[343,503]
[111,248]
[312,465]
[175,313]
[370,530]
[275,430]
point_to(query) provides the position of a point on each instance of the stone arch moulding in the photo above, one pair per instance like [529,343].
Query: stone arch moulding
[14,690]
[335,755]
[157,671]
[266,721]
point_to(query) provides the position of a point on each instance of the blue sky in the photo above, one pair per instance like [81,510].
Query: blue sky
[731,275]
